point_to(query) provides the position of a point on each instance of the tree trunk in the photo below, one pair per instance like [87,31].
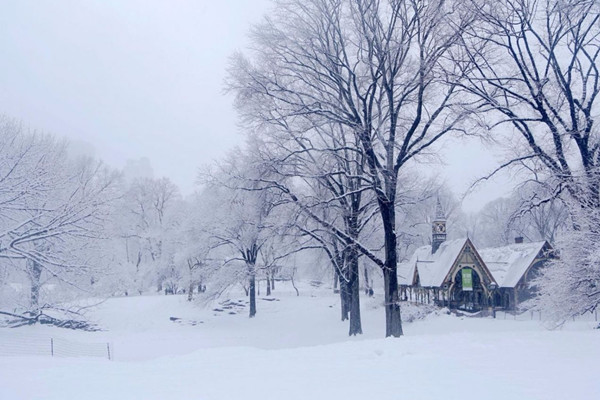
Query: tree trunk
[272,282]
[268,287]
[336,279]
[354,294]
[191,291]
[252,292]
[393,322]
[344,298]
[368,284]
[294,285]
[35,272]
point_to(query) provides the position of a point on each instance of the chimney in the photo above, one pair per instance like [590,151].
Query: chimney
[519,239]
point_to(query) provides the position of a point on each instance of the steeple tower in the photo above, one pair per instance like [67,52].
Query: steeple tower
[438,228]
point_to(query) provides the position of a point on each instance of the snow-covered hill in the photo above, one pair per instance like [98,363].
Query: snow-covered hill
[296,348]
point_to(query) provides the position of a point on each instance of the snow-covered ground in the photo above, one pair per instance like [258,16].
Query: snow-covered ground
[296,348]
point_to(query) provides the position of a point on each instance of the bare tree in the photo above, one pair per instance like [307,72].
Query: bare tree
[374,67]
[325,164]
[194,246]
[536,71]
[244,207]
[148,219]
[52,209]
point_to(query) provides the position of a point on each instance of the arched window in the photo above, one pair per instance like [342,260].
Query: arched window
[467,292]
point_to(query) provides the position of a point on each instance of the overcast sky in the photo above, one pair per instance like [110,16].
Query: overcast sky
[131,79]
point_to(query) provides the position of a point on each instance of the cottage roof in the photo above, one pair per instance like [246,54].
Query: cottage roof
[509,263]
[432,268]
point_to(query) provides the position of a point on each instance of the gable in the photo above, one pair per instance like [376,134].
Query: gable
[431,268]
[469,257]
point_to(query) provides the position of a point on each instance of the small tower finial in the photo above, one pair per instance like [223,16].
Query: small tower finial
[438,227]
[439,212]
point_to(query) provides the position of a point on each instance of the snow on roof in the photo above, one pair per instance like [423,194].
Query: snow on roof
[509,263]
[432,268]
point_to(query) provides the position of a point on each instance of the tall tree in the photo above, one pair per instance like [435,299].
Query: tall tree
[377,68]
[242,209]
[328,168]
[52,208]
[147,219]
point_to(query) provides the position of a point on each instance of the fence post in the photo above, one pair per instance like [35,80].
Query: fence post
[52,347]
[108,349]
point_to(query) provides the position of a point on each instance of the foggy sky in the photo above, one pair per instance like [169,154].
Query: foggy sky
[132,79]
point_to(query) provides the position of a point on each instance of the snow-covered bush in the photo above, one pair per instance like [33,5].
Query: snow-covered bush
[570,284]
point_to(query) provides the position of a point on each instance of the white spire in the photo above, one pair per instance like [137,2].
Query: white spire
[439,212]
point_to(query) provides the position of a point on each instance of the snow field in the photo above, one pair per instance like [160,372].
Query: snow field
[296,348]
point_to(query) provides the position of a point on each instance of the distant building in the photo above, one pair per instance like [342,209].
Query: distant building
[457,275]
